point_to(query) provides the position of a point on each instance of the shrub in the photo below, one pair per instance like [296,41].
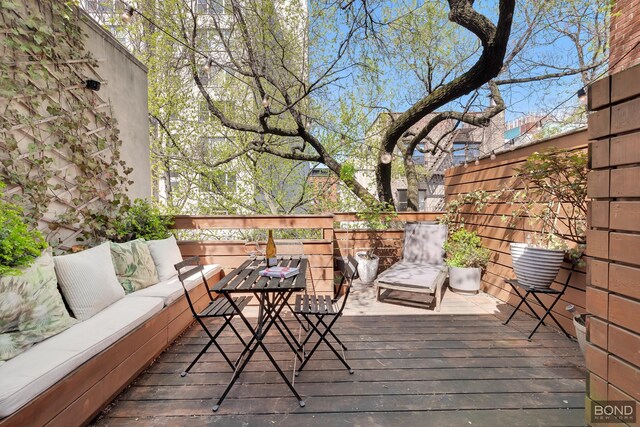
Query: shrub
[19,245]
[464,249]
[141,220]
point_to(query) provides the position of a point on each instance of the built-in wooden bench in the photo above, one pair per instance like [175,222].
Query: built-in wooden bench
[79,397]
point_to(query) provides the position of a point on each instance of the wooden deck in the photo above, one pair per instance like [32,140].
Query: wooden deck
[409,370]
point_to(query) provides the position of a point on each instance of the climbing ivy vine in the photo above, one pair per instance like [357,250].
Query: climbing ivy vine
[59,144]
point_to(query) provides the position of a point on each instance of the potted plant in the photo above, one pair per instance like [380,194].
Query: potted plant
[368,263]
[140,220]
[552,198]
[377,217]
[580,324]
[19,244]
[466,258]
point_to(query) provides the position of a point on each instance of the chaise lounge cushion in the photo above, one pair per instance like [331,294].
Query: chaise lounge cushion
[166,254]
[88,280]
[170,290]
[414,275]
[31,373]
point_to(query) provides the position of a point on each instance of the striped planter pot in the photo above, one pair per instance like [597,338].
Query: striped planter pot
[535,266]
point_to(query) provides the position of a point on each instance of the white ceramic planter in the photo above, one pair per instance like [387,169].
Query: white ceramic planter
[367,268]
[464,280]
[535,266]
[581,334]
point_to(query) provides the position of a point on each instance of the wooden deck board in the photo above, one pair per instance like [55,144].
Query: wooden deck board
[416,370]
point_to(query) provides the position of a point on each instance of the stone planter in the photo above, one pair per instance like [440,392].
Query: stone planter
[535,266]
[464,280]
[581,332]
[367,268]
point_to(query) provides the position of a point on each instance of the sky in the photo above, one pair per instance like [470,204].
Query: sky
[520,99]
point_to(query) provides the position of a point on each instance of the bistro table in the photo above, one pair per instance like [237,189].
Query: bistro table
[272,293]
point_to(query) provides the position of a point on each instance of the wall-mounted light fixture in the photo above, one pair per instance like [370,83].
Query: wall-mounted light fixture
[127,14]
[93,85]
[582,96]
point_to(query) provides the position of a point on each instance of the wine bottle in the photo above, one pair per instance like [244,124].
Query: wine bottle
[272,260]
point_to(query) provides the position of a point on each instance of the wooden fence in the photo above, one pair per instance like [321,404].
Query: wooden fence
[338,237]
[386,244]
[333,241]
[231,253]
[491,176]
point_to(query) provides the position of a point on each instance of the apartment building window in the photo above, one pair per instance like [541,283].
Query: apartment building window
[402,200]
[220,181]
[204,114]
[319,172]
[210,7]
[99,6]
[465,151]
[207,144]
[173,179]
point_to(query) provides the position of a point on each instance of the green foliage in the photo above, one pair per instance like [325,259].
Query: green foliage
[464,249]
[19,245]
[61,146]
[454,211]
[553,198]
[141,220]
[348,172]
[378,216]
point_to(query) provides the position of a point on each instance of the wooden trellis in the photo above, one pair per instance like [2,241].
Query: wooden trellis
[59,150]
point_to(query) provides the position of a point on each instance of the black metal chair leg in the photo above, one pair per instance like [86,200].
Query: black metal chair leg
[204,350]
[296,316]
[322,338]
[258,334]
[550,314]
[213,339]
[278,327]
[518,306]
[235,330]
[344,347]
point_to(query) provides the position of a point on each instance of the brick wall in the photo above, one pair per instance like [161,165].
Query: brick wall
[625,33]
[613,240]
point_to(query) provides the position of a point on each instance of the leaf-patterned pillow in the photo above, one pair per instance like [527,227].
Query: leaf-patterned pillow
[134,265]
[31,307]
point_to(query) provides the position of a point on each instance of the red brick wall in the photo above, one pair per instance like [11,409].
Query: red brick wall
[613,240]
[625,33]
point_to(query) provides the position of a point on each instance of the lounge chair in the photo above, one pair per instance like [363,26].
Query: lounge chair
[422,268]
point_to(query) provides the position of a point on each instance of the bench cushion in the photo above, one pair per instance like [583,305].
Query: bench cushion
[171,289]
[34,371]
[421,277]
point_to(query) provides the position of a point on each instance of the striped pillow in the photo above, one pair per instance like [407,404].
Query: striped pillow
[88,280]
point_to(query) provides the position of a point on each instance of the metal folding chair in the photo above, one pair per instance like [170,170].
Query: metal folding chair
[323,306]
[217,307]
[533,291]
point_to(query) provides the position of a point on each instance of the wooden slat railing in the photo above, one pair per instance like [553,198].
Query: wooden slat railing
[387,244]
[231,253]
[331,242]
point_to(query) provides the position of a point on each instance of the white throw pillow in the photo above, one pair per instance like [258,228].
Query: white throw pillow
[88,280]
[165,254]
